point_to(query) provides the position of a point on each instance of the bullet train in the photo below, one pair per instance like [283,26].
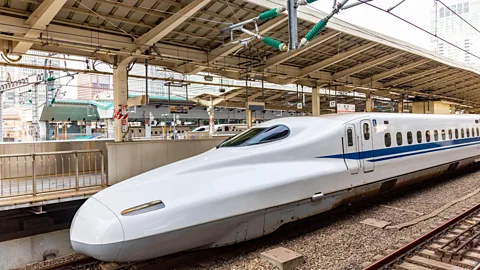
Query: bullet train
[277,172]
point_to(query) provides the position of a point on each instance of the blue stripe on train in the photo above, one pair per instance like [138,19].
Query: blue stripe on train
[409,150]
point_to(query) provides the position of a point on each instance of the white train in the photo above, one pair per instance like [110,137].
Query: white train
[280,171]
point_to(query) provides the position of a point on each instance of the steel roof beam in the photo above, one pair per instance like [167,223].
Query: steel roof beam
[231,94]
[335,59]
[227,49]
[38,21]
[453,88]
[394,71]
[166,26]
[426,83]
[282,57]
[465,87]
[366,65]
[414,76]
[274,97]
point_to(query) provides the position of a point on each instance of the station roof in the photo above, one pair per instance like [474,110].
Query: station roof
[185,36]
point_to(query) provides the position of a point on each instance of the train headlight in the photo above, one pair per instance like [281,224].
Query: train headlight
[143,208]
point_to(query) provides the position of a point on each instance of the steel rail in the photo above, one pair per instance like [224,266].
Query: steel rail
[412,245]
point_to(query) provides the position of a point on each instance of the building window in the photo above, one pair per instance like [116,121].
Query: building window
[460,8]
[419,136]
[399,138]
[442,12]
[388,140]
[466,7]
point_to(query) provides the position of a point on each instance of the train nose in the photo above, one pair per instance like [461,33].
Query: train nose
[96,231]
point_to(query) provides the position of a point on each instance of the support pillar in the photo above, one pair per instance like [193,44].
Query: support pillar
[110,128]
[148,126]
[212,118]
[400,105]
[88,128]
[120,95]
[452,109]
[249,118]
[1,117]
[315,101]
[368,104]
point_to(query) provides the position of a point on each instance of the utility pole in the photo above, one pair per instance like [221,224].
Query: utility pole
[292,25]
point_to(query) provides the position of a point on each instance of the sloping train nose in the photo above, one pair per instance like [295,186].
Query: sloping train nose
[96,231]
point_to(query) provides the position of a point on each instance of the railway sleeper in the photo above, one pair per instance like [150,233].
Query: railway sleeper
[432,264]
[467,263]
[410,266]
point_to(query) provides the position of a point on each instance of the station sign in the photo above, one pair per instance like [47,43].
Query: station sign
[345,108]
[299,106]
[332,104]
[256,106]
[178,109]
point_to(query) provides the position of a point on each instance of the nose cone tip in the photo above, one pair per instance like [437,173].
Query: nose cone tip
[96,231]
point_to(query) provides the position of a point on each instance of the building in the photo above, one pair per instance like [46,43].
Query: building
[90,86]
[452,28]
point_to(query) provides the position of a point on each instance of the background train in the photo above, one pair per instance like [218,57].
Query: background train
[277,172]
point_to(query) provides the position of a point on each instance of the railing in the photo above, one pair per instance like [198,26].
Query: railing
[31,174]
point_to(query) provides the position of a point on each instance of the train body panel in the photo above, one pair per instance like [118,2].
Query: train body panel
[243,190]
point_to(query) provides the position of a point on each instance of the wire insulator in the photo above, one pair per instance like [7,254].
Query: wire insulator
[315,30]
[274,43]
[272,13]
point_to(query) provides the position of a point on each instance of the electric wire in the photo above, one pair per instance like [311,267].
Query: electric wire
[476,29]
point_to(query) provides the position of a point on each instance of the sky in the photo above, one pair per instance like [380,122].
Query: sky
[415,11]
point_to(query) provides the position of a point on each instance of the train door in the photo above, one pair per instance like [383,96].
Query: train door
[350,147]
[366,139]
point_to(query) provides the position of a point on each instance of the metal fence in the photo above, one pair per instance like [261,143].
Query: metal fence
[31,174]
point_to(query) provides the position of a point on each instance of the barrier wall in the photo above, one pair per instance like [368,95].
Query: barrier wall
[133,158]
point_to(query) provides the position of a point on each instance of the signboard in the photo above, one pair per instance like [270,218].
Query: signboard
[332,104]
[178,109]
[345,108]
[256,106]
[22,82]
[299,106]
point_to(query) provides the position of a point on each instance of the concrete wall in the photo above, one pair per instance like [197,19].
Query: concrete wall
[432,107]
[133,158]
[19,252]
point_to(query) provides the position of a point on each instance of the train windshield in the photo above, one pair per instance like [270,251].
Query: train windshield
[258,136]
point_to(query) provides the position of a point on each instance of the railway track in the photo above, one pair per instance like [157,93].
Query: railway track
[455,245]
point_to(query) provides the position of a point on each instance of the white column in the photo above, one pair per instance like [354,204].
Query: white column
[120,95]
[212,118]
[88,128]
[316,101]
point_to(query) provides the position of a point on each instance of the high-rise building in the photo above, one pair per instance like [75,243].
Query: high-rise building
[90,86]
[447,25]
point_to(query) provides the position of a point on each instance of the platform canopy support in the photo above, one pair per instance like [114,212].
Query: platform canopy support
[315,101]
[368,102]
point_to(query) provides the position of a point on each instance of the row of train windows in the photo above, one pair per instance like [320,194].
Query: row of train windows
[462,132]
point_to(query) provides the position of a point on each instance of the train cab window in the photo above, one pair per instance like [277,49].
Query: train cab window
[258,135]
[456,133]
[435,135]
[419,137]
[462,131]
[450,134]
[399,138]
[349,137]
[427,135]
[468,132]
[388,140]
[409,137]
[444,135]
[366,131]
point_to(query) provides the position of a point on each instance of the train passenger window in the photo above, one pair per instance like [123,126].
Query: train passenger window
[450,135]
[419,137]
[478,134]
[435,135]
[388,140]
[366,131]
[399,138]
[350,137]
[409,137]
[468,132]
[473,132]
[444,135]
[226,128]
[427,135]
[258,136]
[462,131]
[456,133]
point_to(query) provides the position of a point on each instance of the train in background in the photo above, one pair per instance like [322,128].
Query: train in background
[277,172]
